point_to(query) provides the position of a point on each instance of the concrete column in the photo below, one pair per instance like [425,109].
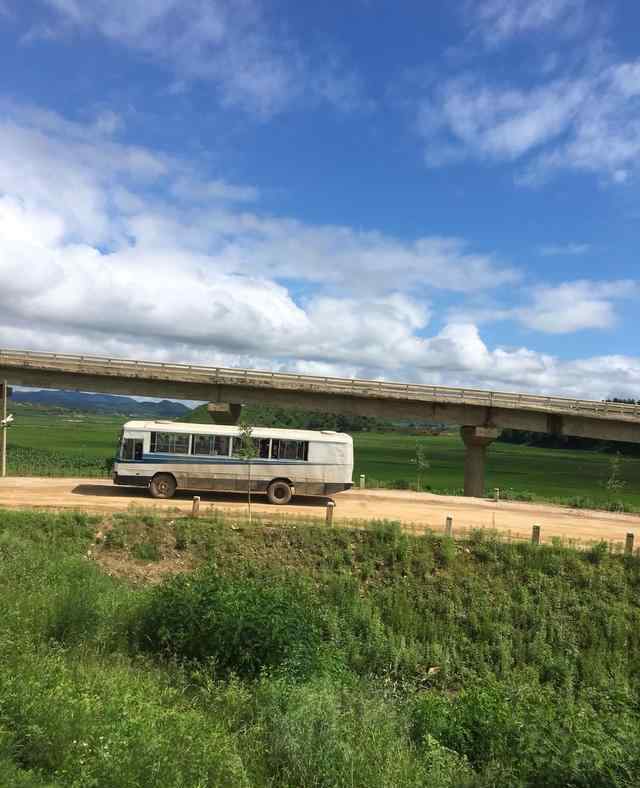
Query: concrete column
[225,412]
[476,440]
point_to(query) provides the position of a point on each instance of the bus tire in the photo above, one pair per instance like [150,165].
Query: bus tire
[279,492]
[163,485]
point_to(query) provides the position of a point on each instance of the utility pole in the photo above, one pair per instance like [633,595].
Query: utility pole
[3,431]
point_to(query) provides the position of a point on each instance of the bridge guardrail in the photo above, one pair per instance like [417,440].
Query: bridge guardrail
[154,370]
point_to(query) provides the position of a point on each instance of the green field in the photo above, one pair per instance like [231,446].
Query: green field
[62,443]
[70,444]
[549,474]
[296,655]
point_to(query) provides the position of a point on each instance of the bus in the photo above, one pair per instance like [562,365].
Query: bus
[165,456]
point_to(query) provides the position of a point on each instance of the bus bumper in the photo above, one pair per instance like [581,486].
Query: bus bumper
[130,481]
[336,487]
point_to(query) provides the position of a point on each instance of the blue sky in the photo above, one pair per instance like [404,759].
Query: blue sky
[441,192]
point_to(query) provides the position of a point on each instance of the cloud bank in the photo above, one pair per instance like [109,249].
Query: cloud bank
[117,250]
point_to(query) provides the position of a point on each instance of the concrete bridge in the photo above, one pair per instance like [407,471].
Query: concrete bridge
[480,414]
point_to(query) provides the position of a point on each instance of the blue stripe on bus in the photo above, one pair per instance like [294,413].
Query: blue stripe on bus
[173,459]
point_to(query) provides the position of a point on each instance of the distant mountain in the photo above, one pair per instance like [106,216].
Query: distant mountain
[102,403]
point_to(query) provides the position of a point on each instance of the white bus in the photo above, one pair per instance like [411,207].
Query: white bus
[166,456]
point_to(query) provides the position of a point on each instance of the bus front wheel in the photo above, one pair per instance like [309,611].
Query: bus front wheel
[163,485]
[279,492]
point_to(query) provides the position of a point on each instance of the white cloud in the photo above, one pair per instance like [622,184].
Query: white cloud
[106,195]
[497,21]
[467,118]
[575,306]
[115,246]
[605,137]
[64,169]
[586,123]
[192,189]
[366,261]
[555,309]
[254,64]
[94,260]
[563,250]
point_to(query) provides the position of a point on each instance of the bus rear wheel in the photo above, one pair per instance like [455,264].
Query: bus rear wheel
[279,492]
[163,485]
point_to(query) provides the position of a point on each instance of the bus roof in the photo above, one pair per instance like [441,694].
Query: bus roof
[322,436]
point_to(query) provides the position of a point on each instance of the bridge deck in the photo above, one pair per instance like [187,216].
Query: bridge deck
[81,365]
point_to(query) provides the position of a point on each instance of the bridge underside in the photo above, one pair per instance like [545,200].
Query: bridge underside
[489,419]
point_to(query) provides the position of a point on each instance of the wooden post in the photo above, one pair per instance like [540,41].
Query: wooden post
[362,481]
[195,509]
[628,545]
[3,431]
[535,534]
[330,507]
[448,527]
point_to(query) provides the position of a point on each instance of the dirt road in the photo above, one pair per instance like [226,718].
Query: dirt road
[420,510]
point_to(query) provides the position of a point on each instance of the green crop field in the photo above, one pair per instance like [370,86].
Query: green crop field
[80,444]
[267,656]
[550,474]
[61,443]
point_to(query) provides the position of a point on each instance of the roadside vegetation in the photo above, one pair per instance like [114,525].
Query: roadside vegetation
[141,650]
[68,443]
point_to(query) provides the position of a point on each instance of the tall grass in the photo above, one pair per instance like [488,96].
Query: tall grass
[301,656]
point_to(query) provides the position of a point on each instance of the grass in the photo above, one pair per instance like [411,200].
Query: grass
[304,656]
[63,443]
[43,444]
[518,471]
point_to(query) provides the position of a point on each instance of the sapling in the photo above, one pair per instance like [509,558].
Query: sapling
[248,452]
[421,462]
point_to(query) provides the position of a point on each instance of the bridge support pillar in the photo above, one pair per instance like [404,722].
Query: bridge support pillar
[225,412]
[476,440]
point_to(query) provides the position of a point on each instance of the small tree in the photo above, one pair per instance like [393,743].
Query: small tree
[421,462]
[247,452]
[615,484]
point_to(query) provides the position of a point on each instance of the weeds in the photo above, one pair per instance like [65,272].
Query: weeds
[146,551]
[313,657]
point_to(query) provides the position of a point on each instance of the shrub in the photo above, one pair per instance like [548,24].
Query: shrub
[242,625]
[598,553]
[519,733]
[86,722]
[388,541]
[515,495]
[323,734]
[146,551]
[11,775]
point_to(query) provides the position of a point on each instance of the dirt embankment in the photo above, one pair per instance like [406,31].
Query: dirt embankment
[415,510]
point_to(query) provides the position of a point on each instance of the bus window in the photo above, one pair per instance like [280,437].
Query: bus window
[260,446]
[131,449]
[211,445]
[289,450]
[170,442]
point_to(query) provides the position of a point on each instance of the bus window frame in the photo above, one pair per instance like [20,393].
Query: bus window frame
[195,435]
[154,450]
